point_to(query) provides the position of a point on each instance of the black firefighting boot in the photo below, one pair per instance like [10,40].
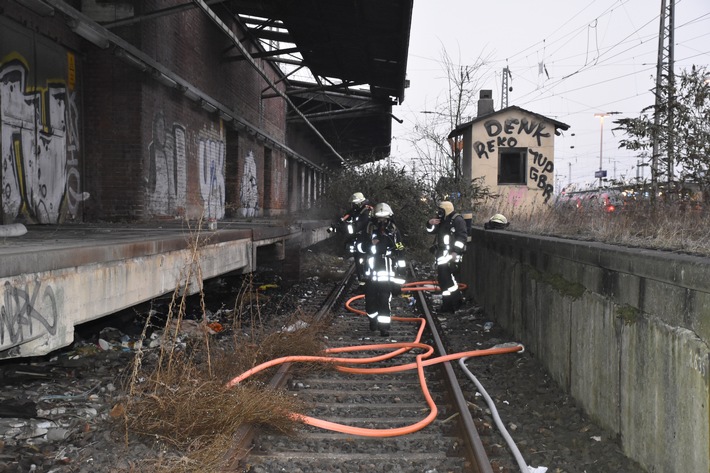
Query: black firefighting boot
[384,330]
[373,323]
[451,303]
[456,301]
[446,305]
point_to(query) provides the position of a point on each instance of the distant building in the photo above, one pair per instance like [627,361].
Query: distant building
[513,150]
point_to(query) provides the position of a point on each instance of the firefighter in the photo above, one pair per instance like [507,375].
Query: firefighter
[449,247]
[383,251]
[353,224]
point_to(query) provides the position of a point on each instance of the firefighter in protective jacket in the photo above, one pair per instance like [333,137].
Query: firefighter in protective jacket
[353,224]
[451,237]
[383,251]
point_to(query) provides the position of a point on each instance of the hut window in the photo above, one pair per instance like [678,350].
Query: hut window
[511,166]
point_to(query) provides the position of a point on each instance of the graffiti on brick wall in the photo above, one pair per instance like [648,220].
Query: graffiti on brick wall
[74,194]
[167,163]
[40,153]
[26,313]
[279,186]
[211,156]
[249,189]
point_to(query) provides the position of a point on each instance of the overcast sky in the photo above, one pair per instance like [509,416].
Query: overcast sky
[568,61]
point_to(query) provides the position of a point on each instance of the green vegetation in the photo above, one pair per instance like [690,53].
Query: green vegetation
[560,284]
[678,128]
[412,200]
[628,315]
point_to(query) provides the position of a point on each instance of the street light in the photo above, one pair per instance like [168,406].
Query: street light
[601,174]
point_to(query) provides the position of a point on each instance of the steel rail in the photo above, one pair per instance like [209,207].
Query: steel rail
[243,437]
[475,452]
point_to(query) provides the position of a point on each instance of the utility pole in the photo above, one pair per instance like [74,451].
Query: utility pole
[505,88]
[665,89]
[601,173]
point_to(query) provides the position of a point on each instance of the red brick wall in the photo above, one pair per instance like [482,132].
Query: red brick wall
[150,152]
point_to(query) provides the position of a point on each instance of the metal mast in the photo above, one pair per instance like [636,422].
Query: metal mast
[665,90]
[504,92]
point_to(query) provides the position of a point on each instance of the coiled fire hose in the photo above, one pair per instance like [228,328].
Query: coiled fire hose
[392,350]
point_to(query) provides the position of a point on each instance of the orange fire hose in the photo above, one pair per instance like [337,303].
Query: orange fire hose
[394,349]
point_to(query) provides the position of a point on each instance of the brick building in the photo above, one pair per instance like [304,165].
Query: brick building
[127,110]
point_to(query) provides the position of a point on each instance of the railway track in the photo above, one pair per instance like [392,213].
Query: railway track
[369,414]
[75,392]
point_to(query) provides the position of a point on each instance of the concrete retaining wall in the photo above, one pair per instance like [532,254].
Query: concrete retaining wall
[56,278]
[624,331]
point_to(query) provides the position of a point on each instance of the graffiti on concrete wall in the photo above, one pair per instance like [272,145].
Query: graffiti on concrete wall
[541,173]
[211,161]
[507,135]
[516,196]
[26,313]
[40,154]
[167,163]
[249,189]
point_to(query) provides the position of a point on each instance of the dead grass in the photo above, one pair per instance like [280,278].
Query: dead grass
[178,397]
[666,227]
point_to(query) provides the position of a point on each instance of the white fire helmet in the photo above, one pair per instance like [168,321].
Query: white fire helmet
[357,198]
[383,210]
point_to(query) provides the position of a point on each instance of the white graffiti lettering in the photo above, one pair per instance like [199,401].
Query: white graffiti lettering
[212,187]
[34,146]
[249,191]
[74,194]
[167,164]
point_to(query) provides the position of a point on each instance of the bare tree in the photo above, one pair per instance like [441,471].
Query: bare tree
[437,157]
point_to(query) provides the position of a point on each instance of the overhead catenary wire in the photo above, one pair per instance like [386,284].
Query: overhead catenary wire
[601,59]
[604,57]
[622,78]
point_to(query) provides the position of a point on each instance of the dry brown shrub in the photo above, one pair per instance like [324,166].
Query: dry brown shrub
[659,226]
[188,406]
[298,335]
[179,397]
